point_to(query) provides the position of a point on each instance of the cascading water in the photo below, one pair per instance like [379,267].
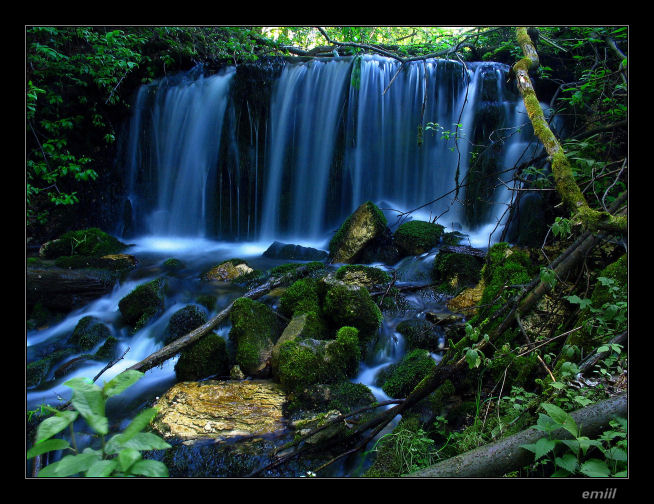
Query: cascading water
[336,133]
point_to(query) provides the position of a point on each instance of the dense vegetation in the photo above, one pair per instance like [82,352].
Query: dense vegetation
[545,336]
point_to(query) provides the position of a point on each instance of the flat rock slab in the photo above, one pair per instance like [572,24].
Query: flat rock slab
[220,409]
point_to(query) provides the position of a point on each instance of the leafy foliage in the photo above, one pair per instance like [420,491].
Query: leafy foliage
[120,455]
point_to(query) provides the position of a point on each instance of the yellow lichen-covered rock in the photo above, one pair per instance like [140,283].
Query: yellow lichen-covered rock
[228,271]
[359,229]
[220,409]
[467,300]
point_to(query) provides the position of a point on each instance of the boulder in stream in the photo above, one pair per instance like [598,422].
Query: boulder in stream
[288,251]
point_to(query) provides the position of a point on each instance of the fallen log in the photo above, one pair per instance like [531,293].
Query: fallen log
[506,455]
[173,348]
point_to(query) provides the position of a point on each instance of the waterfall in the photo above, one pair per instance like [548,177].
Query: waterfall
[332,134]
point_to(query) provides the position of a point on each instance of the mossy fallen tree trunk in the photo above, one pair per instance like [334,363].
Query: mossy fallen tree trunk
[176,346]
[573,198]
[506,455]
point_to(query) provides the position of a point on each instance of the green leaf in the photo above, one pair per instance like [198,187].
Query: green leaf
[70,465]
[562,418]
[151,468]
[47,446]
[473,358]
[88,400]
[101,468]
[121,382]
[573,444]
[567,462]
[139,422]
[595,468]
[546,424]
[543,446]
[583,303]
[140,441]
[52,425]
[127,457]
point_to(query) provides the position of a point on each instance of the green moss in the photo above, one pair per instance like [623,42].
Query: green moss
[108,350]
[347,397]
[360,274]
[309,362]
[36,371]
[207,300]
[379,222]
[300,297]
[85,242]
[173,264]
[352,306]
[140,305]
[207,357]
[283,269]
[88,333]
[452,238]
[418,333]
[438,398]
[184,321]
[454,270]
[255,329]
[417,237]
[400,379]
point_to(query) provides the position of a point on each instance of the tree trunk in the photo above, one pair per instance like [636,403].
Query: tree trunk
[566,185]
[506,455]
[173,348]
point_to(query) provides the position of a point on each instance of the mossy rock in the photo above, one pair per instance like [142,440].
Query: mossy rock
[207,357]
[229,270]
[398,380]
[140,305]
[108,350]
[302,326]
[184,321]
[417,237]
[173,264]
[207,300]
[352,305]
[457,267]
[361,228]
[300,297]
[505,266]
[288,251]
[308,362]
[85,242]
[36,371]
[88,333]
[419,333]
[360,274]
[255,329]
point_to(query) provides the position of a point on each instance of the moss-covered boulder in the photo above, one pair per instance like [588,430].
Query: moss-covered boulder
[417,237]
[419,333]
[108,350]
[85,242]
[228,271]
[365,276]
[112,262]
[37,371]
[207,357]
[457,267]
[255,329]
[140,305]
[88,333]
[398,380]
[301,297]
[351,305]
[184,321]
[173,264]
[360,230]
[307,362]
[302,326]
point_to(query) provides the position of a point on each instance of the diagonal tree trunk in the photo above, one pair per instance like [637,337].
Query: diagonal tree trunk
[566,185]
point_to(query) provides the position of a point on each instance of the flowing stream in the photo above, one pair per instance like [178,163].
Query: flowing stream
[337,133]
